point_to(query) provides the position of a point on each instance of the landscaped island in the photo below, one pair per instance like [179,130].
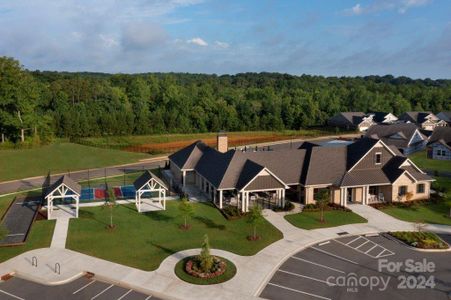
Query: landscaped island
[423,240]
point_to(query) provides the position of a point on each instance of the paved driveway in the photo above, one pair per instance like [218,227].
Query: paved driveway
[360,267]
[82,288]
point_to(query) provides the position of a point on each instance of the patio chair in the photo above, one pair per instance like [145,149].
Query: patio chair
[381,197]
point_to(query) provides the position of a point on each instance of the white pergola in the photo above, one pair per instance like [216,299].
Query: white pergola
[63,188]
[149,183]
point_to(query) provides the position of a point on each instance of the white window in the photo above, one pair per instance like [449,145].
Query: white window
[378,158]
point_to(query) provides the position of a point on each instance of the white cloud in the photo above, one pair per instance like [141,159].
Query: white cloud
[401,6]
[356,9]
[223,45]
[108,41]
[197,41]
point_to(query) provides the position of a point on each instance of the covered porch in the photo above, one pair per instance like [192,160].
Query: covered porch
[245,200]
[365,194]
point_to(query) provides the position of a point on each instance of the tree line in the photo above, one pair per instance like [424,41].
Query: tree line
[44,104]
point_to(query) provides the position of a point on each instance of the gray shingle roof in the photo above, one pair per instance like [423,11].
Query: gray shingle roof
[67,181]
[358,149]
[188,157]
[398,135]
[442,135]
[415,116]
[365,177]
[313,165]
[379,116]
[249,171]
[145,178]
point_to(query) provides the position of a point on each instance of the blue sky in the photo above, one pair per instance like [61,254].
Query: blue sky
[321,37]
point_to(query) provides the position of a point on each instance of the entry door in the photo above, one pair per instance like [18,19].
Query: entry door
[350,198]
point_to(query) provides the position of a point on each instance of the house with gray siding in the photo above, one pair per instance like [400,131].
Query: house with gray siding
[405,136]
[365,172]
[425,120]
[439,146]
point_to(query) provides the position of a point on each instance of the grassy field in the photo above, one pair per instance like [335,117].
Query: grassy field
[59,157]
[434,213]
[421,160]
[40,237]
[310,219]
[144,240]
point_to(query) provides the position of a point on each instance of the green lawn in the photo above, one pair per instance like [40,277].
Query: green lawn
[421,160]
[144,240]
[40,237]
[59,157]
[434,213]
[310,219]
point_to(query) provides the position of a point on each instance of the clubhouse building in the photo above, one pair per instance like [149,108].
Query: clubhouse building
[366,171]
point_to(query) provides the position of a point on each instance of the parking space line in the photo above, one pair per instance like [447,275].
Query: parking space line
[336,256]
[362,244]
[307,277]
[353,240]
[126,293]
[11,295]
[298,291]
[385,250]
[148,297]
[106,289]
[366,252]
[317,264]
[375,245]
[83,287]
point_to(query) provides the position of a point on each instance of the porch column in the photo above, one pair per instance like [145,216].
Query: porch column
[77,202]
[220,199]
[283,197]
[345,200]
[243,200]
[183,178]
[164,199]
[247,201]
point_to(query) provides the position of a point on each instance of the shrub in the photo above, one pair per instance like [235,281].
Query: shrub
[288,207]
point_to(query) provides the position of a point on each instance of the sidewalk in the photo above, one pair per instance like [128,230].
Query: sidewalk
[253,272]
[60,233]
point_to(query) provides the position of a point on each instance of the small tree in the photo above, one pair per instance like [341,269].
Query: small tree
[186,210]
[205,257]
[110,203]
[255,217]
[322,200]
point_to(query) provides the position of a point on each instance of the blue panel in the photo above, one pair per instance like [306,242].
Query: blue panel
[87,194]
[128,191]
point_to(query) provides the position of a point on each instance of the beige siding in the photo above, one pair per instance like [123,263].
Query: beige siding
[336,196]
[357,194]
[405,180]
[309,194]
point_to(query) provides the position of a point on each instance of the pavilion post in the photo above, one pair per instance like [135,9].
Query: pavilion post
[220,199]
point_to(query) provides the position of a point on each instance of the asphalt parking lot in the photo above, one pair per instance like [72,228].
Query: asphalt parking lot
[362,267]
[82,288]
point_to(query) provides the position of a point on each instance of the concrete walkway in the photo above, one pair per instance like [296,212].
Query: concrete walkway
[60,233]
[253,272]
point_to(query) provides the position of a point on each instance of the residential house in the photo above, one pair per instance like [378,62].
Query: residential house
[383,117]
[405,136]
[365,171]
[445,116]
[352,120]
[439,146]
[425,120]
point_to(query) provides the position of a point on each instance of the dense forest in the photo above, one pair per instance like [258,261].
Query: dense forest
[60,104]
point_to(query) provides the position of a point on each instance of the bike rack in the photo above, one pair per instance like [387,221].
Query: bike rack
[34,261]
[58,268]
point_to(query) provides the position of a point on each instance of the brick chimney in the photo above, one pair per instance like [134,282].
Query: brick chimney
[222,142]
